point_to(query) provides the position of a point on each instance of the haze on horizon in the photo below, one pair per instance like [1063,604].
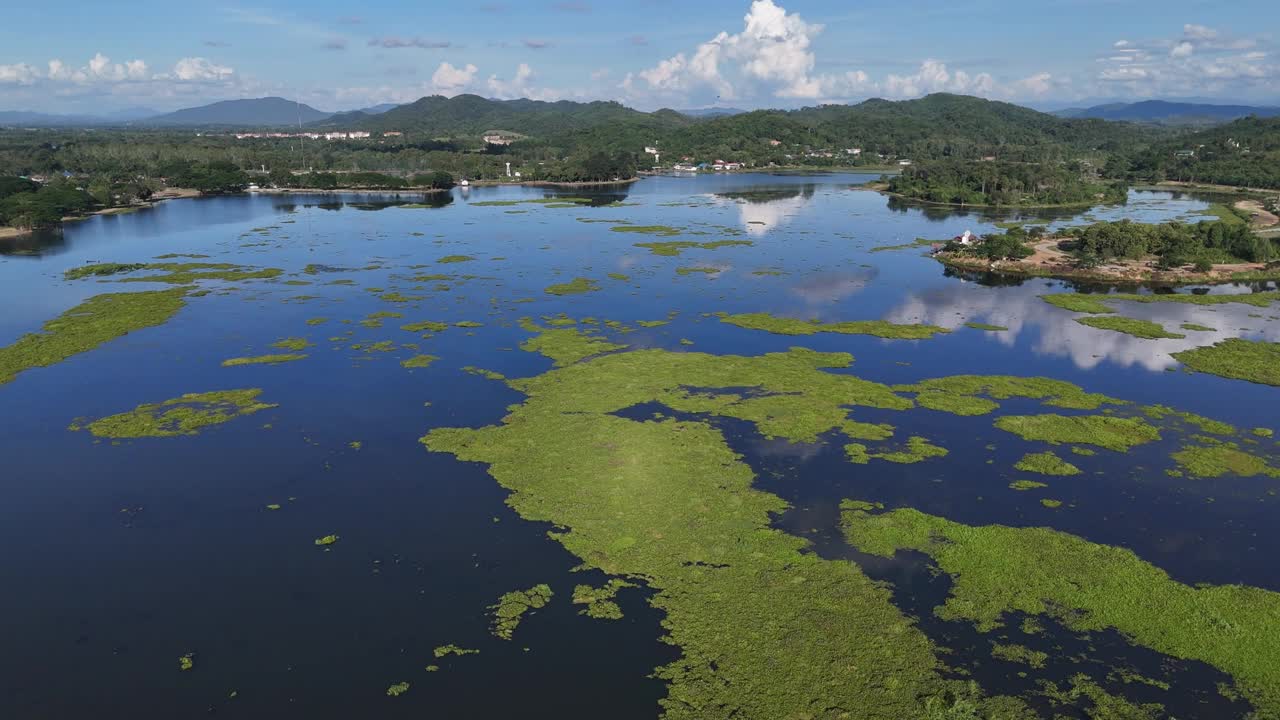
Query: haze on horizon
[649,54]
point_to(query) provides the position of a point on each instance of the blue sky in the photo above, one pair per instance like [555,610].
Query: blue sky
[645,53]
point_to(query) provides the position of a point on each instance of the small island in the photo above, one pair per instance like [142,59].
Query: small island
[1236,247]
[993,183]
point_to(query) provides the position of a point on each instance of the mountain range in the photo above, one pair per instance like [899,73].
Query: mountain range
[256,112]
[1161,112]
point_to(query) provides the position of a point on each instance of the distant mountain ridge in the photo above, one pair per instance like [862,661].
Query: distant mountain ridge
[1169,113]
[258,112]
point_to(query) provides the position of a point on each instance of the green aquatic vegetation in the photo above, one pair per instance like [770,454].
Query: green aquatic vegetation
[652,323]
[1084,452]
[661,230]
[1221,459]
[511,608]
[1019,654]
[918,450]
[273,506]
[1078,302]
[1196,327]
[487,374]
[1104,431]
[791,326]
[188,273]
[95,321]
[619,277]
[419,361]
[576,286]
[451,649]
[1129,326]
[767,629]
[433,668]
[1056,393]
[1255,362]
[397,297]
[768,272]
[291,343]
[186,662]
[1209,425]
[1263,432]
[599,601]
[326,540]
[673,248]
[425,326]
[101,270]
[1102,704]
[374,320]
[355,445]
[468,324]
[965,405]
[398,689]
[997,570]
[703,270]
[1027,485]
[317,321]
[686,341]
[919,242]
[559,321]
[984,326]
[185,415]
[448,259]
[174,256]
[430,277]
[263,359]
[564,345]
[1046,463]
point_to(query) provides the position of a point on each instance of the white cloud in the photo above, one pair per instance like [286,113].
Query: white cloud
[448,79]
[773,56]
[198,69]
[933,76]
[19,74]
[1200,58]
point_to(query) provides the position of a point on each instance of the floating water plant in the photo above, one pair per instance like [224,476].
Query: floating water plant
[673,248]
[419,361]
[99,319]
[326,540]
[398,689]
[1046,463]
[599,601]
[264,359]
[512,607]
[984,326]
[1104,431]
[1222,459]
[790,326]
[447,259]
[447,650]
[185,415]
[295,344]
[661,230]
[1256,362]
[1129,326]
[576,286]
[186,662]
[425,326]
[998,570]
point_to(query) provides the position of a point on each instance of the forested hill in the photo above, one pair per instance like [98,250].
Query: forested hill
[933,127]
[1243,153]
[259,112]
[462,115]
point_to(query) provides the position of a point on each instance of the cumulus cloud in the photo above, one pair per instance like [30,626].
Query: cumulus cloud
[448,79]
[19,74]
[198,69]
[773,56]
[1187,63]
[933,76]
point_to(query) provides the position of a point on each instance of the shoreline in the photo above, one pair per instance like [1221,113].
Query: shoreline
[1010,208]
[1050,262]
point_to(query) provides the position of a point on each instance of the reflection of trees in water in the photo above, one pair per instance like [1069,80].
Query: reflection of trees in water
[39,243]
[761,195]
[990,215]
[382,202]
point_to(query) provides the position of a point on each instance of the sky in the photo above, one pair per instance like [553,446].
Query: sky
[102,57]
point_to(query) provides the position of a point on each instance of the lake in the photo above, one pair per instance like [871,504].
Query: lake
[125,554]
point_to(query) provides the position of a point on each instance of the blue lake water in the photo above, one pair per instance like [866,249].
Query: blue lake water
[122,556]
